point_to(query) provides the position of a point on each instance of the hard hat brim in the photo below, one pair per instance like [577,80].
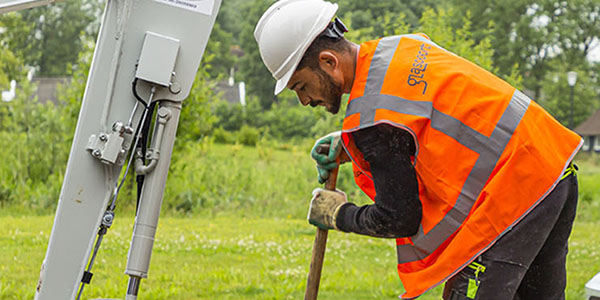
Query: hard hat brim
[282,83]
[325,17]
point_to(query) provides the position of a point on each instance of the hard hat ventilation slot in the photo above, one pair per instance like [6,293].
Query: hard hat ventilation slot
[335,29]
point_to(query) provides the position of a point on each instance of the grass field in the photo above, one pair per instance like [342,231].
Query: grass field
[254,244]
[249,258]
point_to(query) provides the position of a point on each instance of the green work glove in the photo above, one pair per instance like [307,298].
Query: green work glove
[324,208]
[327,162]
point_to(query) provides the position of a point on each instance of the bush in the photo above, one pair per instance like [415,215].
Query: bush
[248,136]
[35,140]
[223,136]
[285,121]
[229,117]
[247,181]
[197,120]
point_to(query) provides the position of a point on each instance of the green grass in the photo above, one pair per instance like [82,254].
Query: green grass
[233,228]
[228,257]
[212,258]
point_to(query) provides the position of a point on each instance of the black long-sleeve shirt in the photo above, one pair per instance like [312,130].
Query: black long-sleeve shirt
[397,210]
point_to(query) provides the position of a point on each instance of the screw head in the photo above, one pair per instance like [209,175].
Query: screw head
[97,153]
[103,137]
[108,218]
[175,87]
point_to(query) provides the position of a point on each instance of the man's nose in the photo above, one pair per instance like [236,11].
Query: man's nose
[303,100]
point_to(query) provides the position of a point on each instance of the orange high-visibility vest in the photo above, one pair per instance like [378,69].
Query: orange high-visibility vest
[486,154]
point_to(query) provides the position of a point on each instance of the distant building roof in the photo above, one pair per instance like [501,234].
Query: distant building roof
[591,126]
[47,86]
[233,92]
[236,50]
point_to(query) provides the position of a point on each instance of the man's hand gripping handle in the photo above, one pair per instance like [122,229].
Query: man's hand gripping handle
[318,254]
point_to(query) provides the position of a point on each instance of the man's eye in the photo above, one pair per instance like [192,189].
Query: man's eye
[303,88]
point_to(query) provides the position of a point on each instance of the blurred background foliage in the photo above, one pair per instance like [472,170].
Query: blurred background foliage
[531,44]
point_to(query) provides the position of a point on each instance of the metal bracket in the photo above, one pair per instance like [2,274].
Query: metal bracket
[111,148]
[153,154]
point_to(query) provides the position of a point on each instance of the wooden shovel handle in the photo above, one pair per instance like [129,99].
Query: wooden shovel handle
[318,253]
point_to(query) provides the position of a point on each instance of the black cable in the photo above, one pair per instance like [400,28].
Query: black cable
[145,132]
[135,93]
[144,145]
[87,275]
[140,99]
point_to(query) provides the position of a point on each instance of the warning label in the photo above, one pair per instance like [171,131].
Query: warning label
[200,6]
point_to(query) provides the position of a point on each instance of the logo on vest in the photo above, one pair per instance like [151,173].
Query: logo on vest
[418,72]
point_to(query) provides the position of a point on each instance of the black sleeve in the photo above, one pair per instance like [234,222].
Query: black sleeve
[397,209]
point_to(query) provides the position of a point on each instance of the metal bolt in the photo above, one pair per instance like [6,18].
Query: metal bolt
[97,153]
[175,87]
[103,137]
[164,112]
[108,218]
[117,127]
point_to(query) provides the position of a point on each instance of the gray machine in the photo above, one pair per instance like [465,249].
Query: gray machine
[13,5]
[592,288]
[146,57]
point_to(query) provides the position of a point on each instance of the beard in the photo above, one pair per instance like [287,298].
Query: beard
[331,91]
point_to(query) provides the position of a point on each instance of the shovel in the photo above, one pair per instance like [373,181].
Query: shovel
[318,253]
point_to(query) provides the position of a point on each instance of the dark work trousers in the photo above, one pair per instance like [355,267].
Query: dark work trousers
[528,262]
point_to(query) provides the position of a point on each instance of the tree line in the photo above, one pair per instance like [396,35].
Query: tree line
[535,42]
[531,44]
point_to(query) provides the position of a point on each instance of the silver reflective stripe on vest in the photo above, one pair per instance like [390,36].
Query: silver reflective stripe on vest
[372,103]
[383,57]
[489,148]
[379,64]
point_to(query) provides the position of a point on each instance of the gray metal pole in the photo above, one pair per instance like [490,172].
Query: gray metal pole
[146,221]
[572,96]
[102,138]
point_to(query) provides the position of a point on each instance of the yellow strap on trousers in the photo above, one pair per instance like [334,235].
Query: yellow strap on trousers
[572,168]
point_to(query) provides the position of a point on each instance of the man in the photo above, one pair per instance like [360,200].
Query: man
[472,178]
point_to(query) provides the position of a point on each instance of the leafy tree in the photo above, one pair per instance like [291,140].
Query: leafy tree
[579,26]
[39,35]
[11,64]
[9,67]
[253,72]
[437,25]
[557,94]
[383,17]
[197,120]
[218,51]
[530,34]
[33,149]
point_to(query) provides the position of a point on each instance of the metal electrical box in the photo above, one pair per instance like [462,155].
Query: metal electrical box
[158,57]
[592,288]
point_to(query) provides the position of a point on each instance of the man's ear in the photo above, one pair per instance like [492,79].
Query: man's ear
[328,60]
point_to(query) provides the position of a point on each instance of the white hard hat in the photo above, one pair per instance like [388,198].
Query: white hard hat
[286,30]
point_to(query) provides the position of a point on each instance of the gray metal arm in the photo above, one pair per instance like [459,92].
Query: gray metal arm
[14,5]
[133,41]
